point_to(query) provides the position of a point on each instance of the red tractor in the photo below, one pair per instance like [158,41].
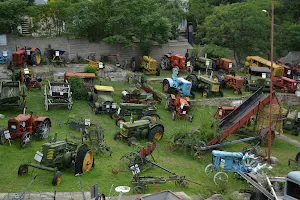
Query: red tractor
[284,84]
[170,61]
[26,55]
[222,66]
[23,126]
[223,111]
[230,81]
[180,107]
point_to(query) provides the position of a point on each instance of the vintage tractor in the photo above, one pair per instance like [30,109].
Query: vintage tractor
[230,81]
[291,121]
[135,95]
[128,109]
[257,77]
[178,84]
[203,64]
[143,128]
[24,126]
[176,60]
[27,78]
[5,56]
[55,56]
[223,111]
[12,94]
[101,100]
[284,84]
[205,84]
[61,154]
[146,64]
[26,55]
[222,66]
[180,107]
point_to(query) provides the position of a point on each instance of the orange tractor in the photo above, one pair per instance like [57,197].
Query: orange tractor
[284,84]
[223,111]
[24,126]
[26,55]
[230,81]
[170,61]
[223,66]
[180,107]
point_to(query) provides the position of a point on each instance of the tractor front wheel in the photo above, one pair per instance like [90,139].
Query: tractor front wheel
[119,121]
[56,178]
[135,64]
[25,140]
[169,104]
[23,169]
[156,134]
[165,63]
[205,93]
[84,160]
[194,80]
[36,57]
[221,93]
[297,159]
[43,130]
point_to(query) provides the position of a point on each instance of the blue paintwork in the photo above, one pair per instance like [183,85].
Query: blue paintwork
[5,59]
[180,84]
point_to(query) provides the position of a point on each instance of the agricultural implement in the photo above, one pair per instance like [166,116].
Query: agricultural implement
[257,77]
[92,133]
[146,64]
[88,78]
[5,56]
[98,65]
[24,126]
[203,64]
[229,124]
[27,78]
[21,195]
[170,61]
[284,84]
[222,66]
[58,94]
[205,84]
[223,111]
[26,55]
[59,154]
[179,106]
[143,128]
[230,81]
[56,56]
[179,84]
[128,109]
[291,121]
[101,100]
[12,94]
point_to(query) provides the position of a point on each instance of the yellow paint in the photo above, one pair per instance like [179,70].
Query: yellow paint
[261,62]
[104,88]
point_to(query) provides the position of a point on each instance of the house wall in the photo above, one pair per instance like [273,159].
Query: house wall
[84,48]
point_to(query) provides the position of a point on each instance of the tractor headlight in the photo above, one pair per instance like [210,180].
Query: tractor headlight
[184,112]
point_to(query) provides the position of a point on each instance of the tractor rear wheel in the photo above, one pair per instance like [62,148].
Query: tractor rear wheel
[43,130]
[247,88]
[166,86]
[135,64]
[23,169]
[156,133]
[297,159]
[193,95]
[119,121]
[237,91]
[56,178]
[84,160]
[194,80]
[25,140]
[165,63]
[36,57]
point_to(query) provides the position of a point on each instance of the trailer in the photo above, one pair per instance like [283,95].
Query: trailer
[58,94]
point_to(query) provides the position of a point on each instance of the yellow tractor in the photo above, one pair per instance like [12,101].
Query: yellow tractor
[146,64]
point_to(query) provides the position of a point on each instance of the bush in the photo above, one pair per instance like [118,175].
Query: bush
[214,51]
[77,88]
[89,69]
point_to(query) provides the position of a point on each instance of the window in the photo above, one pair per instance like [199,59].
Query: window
[293,189]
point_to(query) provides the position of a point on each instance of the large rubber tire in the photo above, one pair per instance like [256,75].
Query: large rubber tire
[205,93]
[23,170]
[156,133]
[297,159]
[166,86]
[119,121]
[36,57]
[257,195]
[56,178]
[84,160]
[135,64]
[43,130]
[194,80]
[165,63]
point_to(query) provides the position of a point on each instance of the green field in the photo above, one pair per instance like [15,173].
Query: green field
[179,161]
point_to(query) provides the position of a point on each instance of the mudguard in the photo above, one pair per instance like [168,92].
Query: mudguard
[170,81]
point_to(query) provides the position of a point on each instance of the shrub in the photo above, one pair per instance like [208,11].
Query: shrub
[89,69]
[77,88]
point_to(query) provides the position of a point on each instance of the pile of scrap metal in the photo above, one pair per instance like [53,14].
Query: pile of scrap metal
[139,161]
[93,133]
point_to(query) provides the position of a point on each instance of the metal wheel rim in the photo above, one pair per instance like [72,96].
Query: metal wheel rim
[38,58]
[88,161]
[235,91]
[154,118]
[25,141]
[45,130]
[120,121]
[220,178]
[164,63]
[59,179]
[158,136]
[204,94]
[209,169]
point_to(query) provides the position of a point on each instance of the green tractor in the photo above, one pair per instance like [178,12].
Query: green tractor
[101,100]
[128,109]
[291,121]
[58,155]
[205,84]
[143,128]
[203,64]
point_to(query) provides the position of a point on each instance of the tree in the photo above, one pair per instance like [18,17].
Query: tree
[241,27]
[11,13]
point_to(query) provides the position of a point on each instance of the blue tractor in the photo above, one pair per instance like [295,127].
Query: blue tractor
[181,85]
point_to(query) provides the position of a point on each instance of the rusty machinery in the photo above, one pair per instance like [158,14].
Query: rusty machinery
[26,55]
[179,106]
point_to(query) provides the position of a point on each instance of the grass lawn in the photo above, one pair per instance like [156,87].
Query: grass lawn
[179,161]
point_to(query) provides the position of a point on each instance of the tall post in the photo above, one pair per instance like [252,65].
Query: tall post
[271,85]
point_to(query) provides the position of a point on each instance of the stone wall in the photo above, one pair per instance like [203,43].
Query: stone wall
[83,47]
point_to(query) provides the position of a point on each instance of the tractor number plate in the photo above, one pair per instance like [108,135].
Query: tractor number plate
[114,106]
[230,65]
[184,112]
[107,106]
[28,52]
[56,53]
[121,124]
[207,63]
[38,156]
[61,93]
[87,122]
[4,53]
[188,64]
[6,134]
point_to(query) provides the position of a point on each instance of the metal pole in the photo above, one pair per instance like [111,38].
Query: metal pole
[271,89]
